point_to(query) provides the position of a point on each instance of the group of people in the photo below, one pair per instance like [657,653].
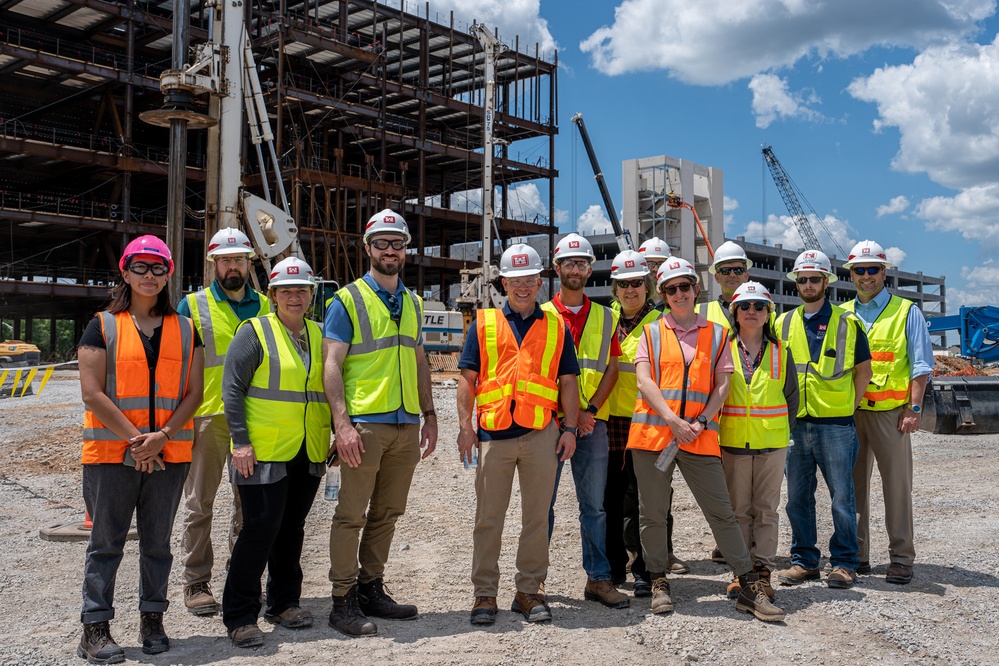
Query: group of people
[626,393]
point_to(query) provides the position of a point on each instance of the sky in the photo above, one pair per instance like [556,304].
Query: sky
[885,113]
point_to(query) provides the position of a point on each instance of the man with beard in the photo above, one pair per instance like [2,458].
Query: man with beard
[731,270]
[217,312]
[377,382]
[833,363]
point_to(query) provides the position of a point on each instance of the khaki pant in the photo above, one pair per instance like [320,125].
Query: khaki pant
[754,483]
[881,440]
[372,497]
[208,460]
[706,480]
[534,459]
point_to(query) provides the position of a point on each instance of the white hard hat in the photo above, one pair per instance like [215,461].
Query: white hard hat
[867,252]
[813,260]
[385,222]
[672,268]
[520,260]
[748,292]
[729,251]
[292,272]
[655,248]
[230,241]
[574,245]
[629,264]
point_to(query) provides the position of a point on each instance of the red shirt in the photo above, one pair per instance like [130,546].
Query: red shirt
[576,322]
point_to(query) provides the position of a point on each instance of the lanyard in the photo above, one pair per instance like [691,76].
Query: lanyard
[759,356]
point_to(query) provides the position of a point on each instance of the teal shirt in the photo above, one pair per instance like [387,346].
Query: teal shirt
[248,306]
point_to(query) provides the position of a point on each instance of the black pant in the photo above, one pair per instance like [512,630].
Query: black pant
[272,536]
[621,507]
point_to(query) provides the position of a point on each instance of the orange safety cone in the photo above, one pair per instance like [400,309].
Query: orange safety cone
[87,523]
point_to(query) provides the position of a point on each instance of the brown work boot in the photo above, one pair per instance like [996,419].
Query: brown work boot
[677,566]
[796,575]
[484,611]
[375,602]
[151,634]
[347,618]
[841,578]
[716,555]
[753,599]
[247,636]
[291,618]
[661,601]
[900,574]
[604,592]
[199,600]
[765,579]
[97,646]
[532,607]
[734,588]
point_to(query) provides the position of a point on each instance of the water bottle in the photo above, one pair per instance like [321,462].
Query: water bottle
[667,456]
[332,483]
[475,460]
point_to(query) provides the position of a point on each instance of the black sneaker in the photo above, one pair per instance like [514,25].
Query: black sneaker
[375,602]
[347,618]
[97,646]
[151,633]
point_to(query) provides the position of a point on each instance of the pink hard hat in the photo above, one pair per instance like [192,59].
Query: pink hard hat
[146,245]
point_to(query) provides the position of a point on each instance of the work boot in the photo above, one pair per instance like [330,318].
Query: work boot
[151,633]
[734,588]
[247,636]
[199,600]
[864,568]
[532,607]
[716,555]
[643,586]
[753,599]
[347,618]
[97,646]
[661,601]
[375,602]
[484,611]
[294,617]
[796,575]
[765,579]
[677,566]
[900,574]
[605,592]
[841,578]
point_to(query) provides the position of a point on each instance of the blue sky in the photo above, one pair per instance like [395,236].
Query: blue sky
[884,112]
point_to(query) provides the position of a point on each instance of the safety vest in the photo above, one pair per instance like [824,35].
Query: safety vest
[285,402]
[754,415]
[379,373]
[622,398]
[686,389]
[714,312]
[826,387]
[593,352]
[126,383]
[216,324]
[526,376]
[889,386]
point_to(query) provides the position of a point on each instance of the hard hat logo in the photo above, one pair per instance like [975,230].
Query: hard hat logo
[809,255]
[232,241]
[574,245]
[389,219]
[629,263]
[520,261]
[674,265]
[293,270]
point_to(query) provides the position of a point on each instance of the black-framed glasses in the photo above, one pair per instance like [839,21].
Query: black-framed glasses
[384,244]
[870,270]
[814,279]
[759,306]
[738,270]
[140,268]
[684,287]
[634,284]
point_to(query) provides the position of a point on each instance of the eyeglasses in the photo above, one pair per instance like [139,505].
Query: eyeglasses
[759,306]
[684,287]
[384,244]
[738,270]
[814,279]
[577,264]
[634,284]
[521,282]
[139,268]
[229,261]
[870,270]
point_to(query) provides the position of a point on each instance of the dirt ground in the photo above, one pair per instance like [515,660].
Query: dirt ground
[948,615]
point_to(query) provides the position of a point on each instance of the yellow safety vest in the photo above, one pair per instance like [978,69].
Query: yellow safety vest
[285,402]
[714,312]
[826,387]
[622,398]
[593,352]
[754,415]
[216,324]
[889,386]
[379,373]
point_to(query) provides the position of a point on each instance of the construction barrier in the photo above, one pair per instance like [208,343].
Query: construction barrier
[10,389]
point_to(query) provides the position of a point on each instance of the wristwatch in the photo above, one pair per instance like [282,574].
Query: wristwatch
[703,420]
[571,429]
[592,409]
[916,409]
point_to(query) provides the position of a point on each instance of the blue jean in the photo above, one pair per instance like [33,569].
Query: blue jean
[589,473]
[833,450]
[112,492]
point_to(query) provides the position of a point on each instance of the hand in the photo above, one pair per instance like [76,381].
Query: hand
[349,446]
[146,448]
[149,466]
[909,420]
[683,431]
[466,440]
[566,446]
[585,423]
[428,436]
[244,459]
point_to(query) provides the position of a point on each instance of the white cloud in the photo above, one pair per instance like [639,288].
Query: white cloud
[593,221]
[513,18]
[973,212]
[717,41]
[896,256]
[525,203]
[730,203]
[981,287]
[897,205]
[772,101]
[782,230]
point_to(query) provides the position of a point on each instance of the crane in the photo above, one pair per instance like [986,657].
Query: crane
[623,237]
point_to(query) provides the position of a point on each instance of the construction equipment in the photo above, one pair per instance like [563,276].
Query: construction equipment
[18,354]
[623,237]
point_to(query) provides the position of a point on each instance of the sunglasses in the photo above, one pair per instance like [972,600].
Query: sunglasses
[870,270]
[139,268]
[384,244]
[814,279]
[671,290]
[738,270]
[758,306]
[634,284]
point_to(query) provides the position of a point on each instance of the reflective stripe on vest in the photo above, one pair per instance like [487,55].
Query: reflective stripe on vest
[379,372]
[216,323]
[625,393]
[755,416]
[126,384]
[889,385]
[715,313]
[517,384]
[285,402]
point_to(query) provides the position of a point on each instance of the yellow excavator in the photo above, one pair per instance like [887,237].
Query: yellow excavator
[18,354]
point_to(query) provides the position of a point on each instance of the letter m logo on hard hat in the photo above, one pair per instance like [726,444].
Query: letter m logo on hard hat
[520,261]
[293,270]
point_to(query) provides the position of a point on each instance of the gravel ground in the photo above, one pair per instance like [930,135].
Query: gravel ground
[948,615]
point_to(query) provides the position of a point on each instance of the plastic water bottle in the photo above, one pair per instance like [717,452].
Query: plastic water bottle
[475,460]
[332,483]
[667,456]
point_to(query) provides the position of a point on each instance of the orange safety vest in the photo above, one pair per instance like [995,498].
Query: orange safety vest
[526,376]
[126,383]
[685,388]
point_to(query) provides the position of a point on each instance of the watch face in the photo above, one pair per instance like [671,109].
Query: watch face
[916,409]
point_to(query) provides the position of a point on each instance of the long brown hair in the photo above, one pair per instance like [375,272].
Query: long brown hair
[121,300]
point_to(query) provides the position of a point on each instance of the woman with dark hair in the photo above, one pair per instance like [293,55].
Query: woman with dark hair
[141,375]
